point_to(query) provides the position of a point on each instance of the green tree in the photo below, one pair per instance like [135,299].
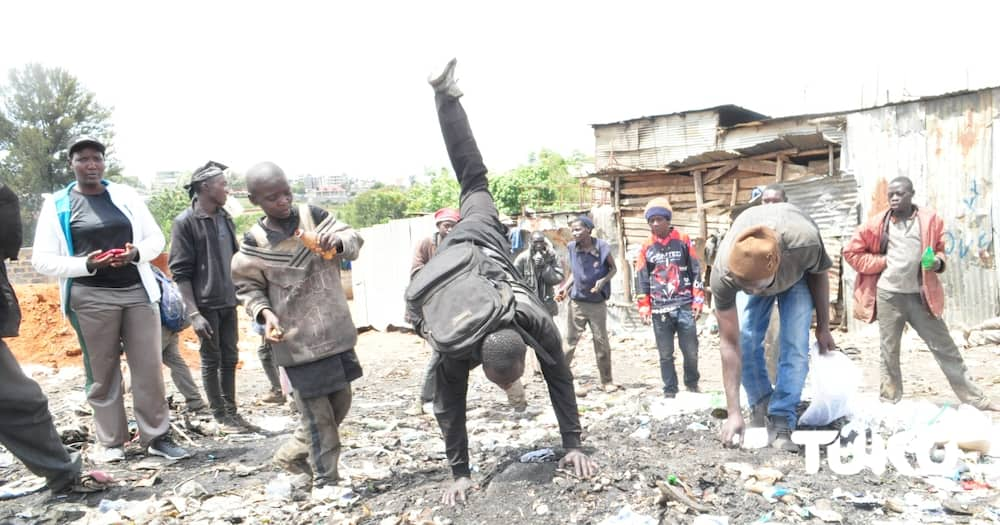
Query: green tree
[375,206]
[167,204]
[42,110]
[544,183]
[440,191]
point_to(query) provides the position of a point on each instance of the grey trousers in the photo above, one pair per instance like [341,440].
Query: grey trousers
[579,315]
[27,429]
[180,373]
[109,321]
[266,356]
[318,434]
[894,311]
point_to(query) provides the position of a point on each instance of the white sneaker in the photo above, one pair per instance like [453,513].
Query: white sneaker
[101,454]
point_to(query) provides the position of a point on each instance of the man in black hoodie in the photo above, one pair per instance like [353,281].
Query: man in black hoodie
[502,350]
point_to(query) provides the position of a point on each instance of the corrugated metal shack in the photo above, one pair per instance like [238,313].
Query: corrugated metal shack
[708,161]
[948,146]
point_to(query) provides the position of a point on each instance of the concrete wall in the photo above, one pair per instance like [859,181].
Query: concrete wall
[21,272]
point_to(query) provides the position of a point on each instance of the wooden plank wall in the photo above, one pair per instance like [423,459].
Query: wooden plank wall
[724,185]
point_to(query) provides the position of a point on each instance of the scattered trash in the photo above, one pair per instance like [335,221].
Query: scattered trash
[773,493]
[626,516]
[642,433]
[191,489]
[149,481]
[822,509]
[541,455]
[755,438]
[697,427]
[957,507]
[835,380]
[542,509]
[895,505]
[672,493]
[279,489]
[22,487]
[971,484]
[705,519]
[108,505]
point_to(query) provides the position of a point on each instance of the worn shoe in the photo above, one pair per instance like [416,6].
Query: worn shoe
[780,435]
[758,413]
[693,389]
[237,419]
[196,407]
[610,387]
[275,397]
[101,454]
[92,481]
[298,465]
[165,447]
[989,405]
[445,81]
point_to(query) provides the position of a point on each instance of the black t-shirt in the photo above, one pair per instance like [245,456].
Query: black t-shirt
[97,224]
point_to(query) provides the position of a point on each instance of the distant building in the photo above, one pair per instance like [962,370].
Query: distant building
[167,179]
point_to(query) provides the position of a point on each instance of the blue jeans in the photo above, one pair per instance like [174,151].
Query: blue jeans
[665,325]
[795,307]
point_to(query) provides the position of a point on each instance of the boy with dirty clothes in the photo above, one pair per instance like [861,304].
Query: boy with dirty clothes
[296,294]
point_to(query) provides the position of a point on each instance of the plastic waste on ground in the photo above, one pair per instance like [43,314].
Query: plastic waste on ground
[835,380]
[626,516]
[538,456]
[755,437]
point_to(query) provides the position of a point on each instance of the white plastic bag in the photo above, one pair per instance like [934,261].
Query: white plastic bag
[835,380]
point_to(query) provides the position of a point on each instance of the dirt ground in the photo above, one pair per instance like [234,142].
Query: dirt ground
[395,468]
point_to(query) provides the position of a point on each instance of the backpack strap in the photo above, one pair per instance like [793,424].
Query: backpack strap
[532,343]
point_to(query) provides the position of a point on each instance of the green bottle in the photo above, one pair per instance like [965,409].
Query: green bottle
[927,261]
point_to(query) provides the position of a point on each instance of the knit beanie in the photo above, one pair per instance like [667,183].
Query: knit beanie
[585,221]
[755,255]
[659,207]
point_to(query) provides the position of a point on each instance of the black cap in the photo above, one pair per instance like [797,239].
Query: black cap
[85,142]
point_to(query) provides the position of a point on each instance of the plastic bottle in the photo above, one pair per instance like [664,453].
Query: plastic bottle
[311,241]
[928,259]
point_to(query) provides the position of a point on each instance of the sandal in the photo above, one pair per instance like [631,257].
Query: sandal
[93,481]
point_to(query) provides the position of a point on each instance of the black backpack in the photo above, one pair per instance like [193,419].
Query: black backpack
[462,296]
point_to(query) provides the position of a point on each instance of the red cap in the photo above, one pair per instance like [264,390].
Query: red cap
[446,214]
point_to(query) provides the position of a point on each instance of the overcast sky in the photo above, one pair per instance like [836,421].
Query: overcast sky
[335,87]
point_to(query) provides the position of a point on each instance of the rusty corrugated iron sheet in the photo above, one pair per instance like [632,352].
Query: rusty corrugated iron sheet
[652,143]
[946,146]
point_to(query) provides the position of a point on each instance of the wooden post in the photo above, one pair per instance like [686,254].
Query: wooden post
[736,192]
[699,197]
[779,169]
[829,169]
[622,239]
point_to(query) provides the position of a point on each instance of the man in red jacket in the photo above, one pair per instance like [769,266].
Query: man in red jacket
[897,285]
[670,294]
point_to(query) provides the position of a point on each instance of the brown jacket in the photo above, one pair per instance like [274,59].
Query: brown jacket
[423,253]
[302,289]
[866,254]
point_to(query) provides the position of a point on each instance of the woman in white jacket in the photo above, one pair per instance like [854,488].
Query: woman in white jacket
[98,238]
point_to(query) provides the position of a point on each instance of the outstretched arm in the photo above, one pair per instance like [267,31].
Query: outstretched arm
[732,363]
